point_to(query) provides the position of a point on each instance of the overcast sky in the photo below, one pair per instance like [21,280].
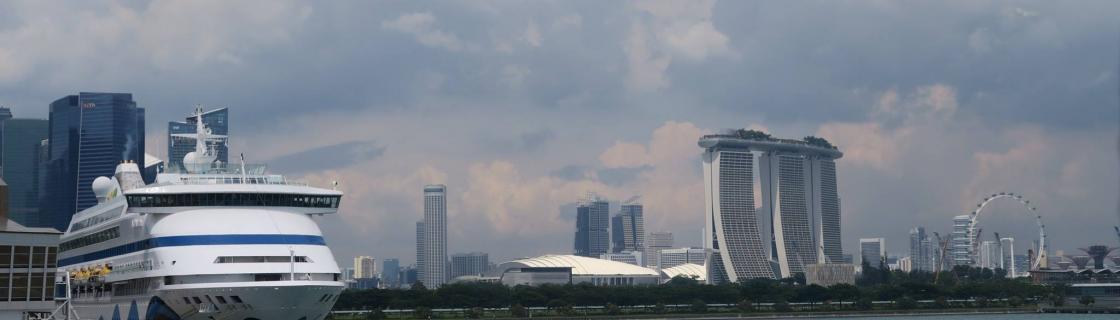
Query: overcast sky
[522,107]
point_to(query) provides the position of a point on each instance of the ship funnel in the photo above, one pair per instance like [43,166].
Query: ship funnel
[128,175]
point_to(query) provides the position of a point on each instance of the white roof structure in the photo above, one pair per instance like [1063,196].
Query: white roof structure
[689,270]
[581,266]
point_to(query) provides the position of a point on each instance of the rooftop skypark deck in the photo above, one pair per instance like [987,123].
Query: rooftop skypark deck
[757,140]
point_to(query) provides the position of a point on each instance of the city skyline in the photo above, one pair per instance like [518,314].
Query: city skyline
[931,112]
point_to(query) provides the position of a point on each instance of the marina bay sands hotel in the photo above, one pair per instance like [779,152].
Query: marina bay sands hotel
[798,220]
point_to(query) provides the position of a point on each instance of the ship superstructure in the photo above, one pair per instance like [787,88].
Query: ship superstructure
[217,241]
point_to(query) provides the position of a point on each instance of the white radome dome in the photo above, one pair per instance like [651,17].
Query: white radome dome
[101,187]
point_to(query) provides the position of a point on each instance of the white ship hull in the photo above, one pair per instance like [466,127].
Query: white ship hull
[280,300]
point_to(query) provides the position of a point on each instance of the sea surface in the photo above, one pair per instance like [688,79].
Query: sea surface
[1022,316]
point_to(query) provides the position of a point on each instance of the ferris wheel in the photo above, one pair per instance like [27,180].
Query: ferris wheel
[1039,258]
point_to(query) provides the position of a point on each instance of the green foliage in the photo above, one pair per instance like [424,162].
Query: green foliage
[475,313]
[1057,300]
[883,285]
[745,305]
[613,309]
[906,303]
[752,134]
[782,306]
[376,314]
[698,306]
[422,313]
[519,311]
[1087,300]
[941,303]
[983,302]
[864,304]
[816,141]
[1015,301]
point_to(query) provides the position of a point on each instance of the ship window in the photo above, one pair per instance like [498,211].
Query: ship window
[268,277]
[196,300]
[221,299]
[234,199]
[91,239]
[5,259]
[236,299]
[261,259]
[187,300]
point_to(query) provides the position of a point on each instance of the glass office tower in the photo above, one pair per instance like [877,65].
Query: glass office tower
[21,139]
[90,133]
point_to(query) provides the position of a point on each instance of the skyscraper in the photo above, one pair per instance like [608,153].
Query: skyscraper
[961,241]
[364,267]
[591,237]
[433,268]
[628,228]
[921,250]
[90,133]
[19,158]
[872,251]
[469,264]
[390,273]
[797,181]
[678,256]
[656,242]
[178,147]
[419,249]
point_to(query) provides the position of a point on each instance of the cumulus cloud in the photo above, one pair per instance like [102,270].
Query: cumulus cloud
[422,26]
[666,29]
[165,35]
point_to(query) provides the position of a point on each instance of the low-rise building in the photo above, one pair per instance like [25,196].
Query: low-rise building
[565,269]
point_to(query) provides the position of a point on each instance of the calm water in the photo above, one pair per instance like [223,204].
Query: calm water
[1028,316]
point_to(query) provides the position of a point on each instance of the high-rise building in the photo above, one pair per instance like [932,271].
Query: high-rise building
[390,273]
[628,228]
[656,242]
[921,250]
[872,251]
[797,182]
[677,256]
[618,237]
[961,241]
[365,267]
[178,145]
[989,255]
[433,269]
[469,264]
[591,238]
[419,249]
[20,140]
[630,257]
[90,133]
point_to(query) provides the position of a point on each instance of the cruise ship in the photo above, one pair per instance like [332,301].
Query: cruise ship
[210,241]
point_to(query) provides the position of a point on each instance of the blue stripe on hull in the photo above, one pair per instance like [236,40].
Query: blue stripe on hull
[198,240]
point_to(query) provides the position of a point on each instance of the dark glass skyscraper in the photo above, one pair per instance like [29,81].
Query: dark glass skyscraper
[178,147]
[21,139]
[90,133]
[592,227]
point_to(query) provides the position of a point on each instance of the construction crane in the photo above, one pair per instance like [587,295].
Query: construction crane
[942,246]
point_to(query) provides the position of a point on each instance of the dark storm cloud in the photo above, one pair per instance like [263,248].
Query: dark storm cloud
[543,85]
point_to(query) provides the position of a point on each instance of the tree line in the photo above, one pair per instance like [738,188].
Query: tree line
[875,284]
